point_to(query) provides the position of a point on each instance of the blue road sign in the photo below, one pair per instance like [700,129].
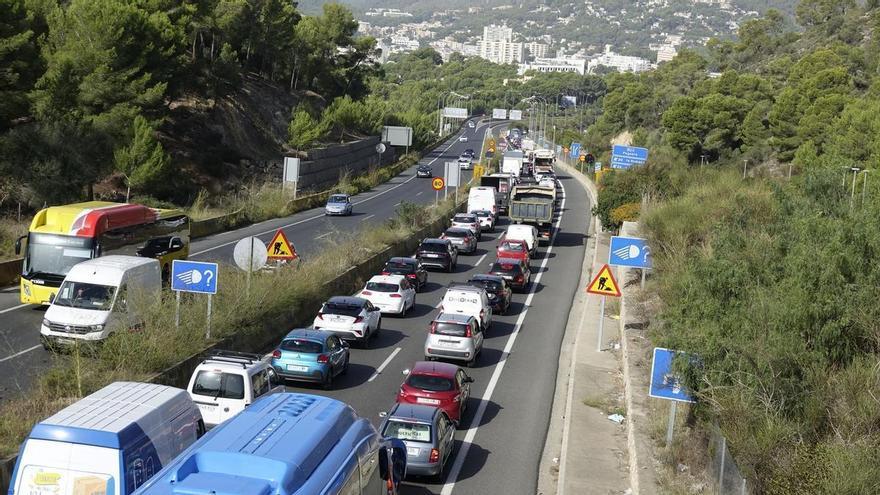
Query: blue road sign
[639,154]
[620,162]
[194,276]
[630,251]
[664,383]
[575,150]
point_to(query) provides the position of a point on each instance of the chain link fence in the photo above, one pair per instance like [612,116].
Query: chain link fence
[727,477]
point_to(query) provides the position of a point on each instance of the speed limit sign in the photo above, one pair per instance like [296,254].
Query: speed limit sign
[438,183]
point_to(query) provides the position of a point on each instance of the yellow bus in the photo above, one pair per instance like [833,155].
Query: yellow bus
[62,236]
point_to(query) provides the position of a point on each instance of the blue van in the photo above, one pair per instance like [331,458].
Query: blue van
[108,443]
[287,444]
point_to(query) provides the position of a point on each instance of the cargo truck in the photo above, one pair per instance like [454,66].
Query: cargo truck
[511,163]
[533,205]
[502,184]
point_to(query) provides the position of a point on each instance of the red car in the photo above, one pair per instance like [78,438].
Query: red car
[513,248]
[437,384]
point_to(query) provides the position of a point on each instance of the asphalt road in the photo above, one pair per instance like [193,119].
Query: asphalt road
[22,357]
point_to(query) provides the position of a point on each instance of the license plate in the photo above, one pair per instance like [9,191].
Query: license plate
[422,400]
[413,451]
[207,408]
[294,367]
[432,255]
[64,341]
[448,343]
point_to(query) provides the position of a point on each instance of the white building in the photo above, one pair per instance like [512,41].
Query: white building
[555,65]
[665,53]
[536,50]
[621,63]
[497,45]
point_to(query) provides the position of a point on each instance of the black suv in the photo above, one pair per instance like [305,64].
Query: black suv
[424,171]
[496,288]
[409,268]
[515,271]
[439,253]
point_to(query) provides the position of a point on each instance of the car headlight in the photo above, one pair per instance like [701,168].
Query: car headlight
[46,323]
[26,287]
[96,328]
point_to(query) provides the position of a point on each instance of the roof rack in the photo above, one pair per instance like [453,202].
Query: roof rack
[461,285]
[234,357]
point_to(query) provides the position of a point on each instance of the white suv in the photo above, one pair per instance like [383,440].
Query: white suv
[349,318]
[228,381]
[468,300]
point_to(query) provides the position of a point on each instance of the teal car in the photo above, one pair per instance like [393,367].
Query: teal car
[310,355]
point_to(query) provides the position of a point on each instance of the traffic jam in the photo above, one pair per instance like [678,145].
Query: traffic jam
[508,217]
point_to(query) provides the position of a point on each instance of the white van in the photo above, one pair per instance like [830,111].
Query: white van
[482,198]
[523,232]
[99,296]
[468,300]
[112,441]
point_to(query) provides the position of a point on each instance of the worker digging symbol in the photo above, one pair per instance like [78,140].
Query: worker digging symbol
[602,281]
[276,250]
[604,284]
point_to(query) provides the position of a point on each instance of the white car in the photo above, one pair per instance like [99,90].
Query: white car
[522,232]
[462,139]
[486,218]
[471,125]
[468,221]
[227,382]
[390,293]
[349,318]
[465,163]
[468,300]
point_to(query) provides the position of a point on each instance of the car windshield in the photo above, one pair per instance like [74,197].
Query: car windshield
[416,432]
[302,346]
[451,329]
[430,383]
[456,233]
[435,247]
[341,309]
[512,246]
[49,254]
[464,218]
[219,385]
[481,213]
[338,199]
[382,287]
[505,268]
[85,295]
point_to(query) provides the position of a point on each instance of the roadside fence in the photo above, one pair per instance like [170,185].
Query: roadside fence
[727,478]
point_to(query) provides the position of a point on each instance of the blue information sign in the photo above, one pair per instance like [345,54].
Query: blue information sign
[194,276]
[632,152]
[629,251]
[575,150]
[664,383]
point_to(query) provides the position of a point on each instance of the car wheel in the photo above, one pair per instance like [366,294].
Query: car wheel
[345,366]
[472,362]
[327,383]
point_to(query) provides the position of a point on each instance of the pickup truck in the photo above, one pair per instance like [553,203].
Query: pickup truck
[533,205]
[227,381]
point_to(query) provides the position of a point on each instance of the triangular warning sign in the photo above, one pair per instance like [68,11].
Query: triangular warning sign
[280,248]
[604,284]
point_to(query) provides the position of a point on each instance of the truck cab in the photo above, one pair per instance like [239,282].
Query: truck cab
[227,382]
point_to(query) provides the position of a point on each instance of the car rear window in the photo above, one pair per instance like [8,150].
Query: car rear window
[401,266]
[456,233]
[434,247]
[430,383]
[219,385]
[451,329]
[341,309]
[482,213]
[505,268]
[382,287]
[464,218]
[302,345]
[512,246]
[416,432]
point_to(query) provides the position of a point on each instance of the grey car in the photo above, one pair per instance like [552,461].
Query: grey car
[461,238]
[429,436]
[338,204]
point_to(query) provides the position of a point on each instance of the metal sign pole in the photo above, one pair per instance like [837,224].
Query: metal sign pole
[250,267]
[644,271]
[436,197]
[671,425]
[208,331]
[295,187]
[601,323]
[177,312]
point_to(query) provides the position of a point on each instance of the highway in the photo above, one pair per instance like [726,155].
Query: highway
[500,440]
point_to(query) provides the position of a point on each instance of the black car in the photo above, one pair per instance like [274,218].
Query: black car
[469,153]
[424,171]
[438,253]
[515,272]
[496,288]
[409,268]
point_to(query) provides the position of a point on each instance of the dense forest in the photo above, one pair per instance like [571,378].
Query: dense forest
[763,213]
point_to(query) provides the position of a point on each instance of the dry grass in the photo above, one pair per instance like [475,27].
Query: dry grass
[10,230]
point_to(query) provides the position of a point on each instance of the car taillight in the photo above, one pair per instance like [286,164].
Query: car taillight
[411,275]
[276,354]
[359,319]
[433,328]
[467,331]
[396,296]
[402,392]
[386,272]
[519,278]
[320,316]
[435,456]
[456,398]
[366,293]
[323,358]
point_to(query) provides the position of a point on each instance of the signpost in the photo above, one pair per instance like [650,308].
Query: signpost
[624,157]
[631,252]
[290,173]
[575,150]
[280,248]
[397,136]
[499,113]
[250,255]
[194,276]
[455,112]
[516,115]
[665,384]
[451,177]
[603,284]
[438,183]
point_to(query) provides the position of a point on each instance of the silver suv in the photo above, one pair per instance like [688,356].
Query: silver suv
[456,337]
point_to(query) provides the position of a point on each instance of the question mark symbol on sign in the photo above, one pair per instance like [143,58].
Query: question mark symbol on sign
[210,276]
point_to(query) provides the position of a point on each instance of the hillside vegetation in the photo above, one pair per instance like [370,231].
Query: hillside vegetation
[769,281]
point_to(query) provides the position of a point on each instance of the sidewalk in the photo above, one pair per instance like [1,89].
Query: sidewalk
[585,452]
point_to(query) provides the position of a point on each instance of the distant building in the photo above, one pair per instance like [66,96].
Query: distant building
[497,45]
[665,53]
[554,65]
[621,63]
[536,50]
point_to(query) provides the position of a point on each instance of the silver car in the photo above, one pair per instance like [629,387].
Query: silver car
[429,436]
[454,336]
[338,204]
[461,238]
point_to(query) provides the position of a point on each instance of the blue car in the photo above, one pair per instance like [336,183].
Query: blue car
[338,204]
[311,355]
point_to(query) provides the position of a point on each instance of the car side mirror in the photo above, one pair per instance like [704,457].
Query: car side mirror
[51,298]
[468,379]
[176,244]
[405,372]
[18,245]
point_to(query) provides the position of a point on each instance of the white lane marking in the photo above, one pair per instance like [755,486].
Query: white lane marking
[384,364]
[499,368]
[419,193]
[480,261]
[315,217]
[14,308]
[324,235]
[367,218]
[19,353]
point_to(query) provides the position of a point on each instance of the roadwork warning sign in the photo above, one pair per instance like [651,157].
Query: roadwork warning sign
[280,248]
[604,284]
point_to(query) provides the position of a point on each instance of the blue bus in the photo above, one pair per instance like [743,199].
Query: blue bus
[287,444]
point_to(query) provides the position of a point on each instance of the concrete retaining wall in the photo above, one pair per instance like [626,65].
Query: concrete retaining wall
[322,167]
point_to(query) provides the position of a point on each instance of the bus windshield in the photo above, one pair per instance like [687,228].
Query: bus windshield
[85,295]
[52,254]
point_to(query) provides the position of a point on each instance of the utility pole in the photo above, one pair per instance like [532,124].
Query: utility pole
[745,165]
[864,187]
